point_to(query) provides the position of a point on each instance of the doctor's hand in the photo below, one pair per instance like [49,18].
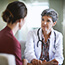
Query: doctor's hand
[53,62]
[36,62]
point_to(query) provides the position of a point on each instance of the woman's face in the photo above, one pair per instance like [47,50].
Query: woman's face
[47,23]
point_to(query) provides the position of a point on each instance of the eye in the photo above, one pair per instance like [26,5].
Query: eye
[48,20]
[42,19]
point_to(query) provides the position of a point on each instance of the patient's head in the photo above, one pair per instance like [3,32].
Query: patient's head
[14,11]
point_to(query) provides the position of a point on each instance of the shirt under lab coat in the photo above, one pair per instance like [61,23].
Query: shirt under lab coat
[34,52]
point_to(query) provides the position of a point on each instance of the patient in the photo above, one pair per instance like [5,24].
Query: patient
[14,15]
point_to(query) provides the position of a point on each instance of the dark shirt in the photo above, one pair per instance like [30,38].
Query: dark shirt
[9,44]
[45,50]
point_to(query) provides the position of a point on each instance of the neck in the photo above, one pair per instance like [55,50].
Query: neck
[46,34]
[13,27]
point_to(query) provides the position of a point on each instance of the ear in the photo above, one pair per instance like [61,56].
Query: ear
[20,20]
[54,23]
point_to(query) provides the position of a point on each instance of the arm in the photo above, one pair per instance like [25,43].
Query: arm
[15,49]
[29,51]
[52,62]
[59,49]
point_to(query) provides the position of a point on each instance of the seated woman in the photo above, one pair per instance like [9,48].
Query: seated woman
[14,16]
[45,43]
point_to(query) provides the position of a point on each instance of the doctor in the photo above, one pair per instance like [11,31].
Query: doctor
[45,43]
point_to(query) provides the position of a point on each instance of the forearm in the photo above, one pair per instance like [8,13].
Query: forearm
[52,62]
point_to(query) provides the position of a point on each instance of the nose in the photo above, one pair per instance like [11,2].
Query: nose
[45,23]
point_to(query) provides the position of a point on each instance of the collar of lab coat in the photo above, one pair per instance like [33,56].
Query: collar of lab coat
[51,36]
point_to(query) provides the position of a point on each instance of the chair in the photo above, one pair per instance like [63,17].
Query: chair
[7,59]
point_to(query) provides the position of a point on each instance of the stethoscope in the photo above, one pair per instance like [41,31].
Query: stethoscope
[39,40]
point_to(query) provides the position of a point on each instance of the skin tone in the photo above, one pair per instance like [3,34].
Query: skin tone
[37,62]
[46,25]
[52,62]
[16,26]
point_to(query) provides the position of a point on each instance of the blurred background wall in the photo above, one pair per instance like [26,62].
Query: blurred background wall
[33,20]
[64,28]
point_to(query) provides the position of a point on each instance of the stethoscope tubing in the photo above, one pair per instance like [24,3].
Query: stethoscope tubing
[42,41]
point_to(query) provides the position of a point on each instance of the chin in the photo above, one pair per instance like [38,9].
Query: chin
[45,30]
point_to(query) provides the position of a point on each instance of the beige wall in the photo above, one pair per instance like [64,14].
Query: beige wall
[64,28]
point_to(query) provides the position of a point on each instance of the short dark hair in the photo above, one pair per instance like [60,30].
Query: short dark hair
[50,12]
[14,11]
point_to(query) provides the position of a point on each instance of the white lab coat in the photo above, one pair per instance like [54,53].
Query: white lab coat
[34,52]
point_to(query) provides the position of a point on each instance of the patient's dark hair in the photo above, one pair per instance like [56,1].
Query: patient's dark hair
[50,12]
[14,11]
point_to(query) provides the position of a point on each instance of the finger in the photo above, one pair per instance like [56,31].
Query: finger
[40,62]
[44,61]
[25,61]
[54,60]
[54,63]
[29,63]
[35,62]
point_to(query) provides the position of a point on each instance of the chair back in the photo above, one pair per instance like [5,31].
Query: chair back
[7,59]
